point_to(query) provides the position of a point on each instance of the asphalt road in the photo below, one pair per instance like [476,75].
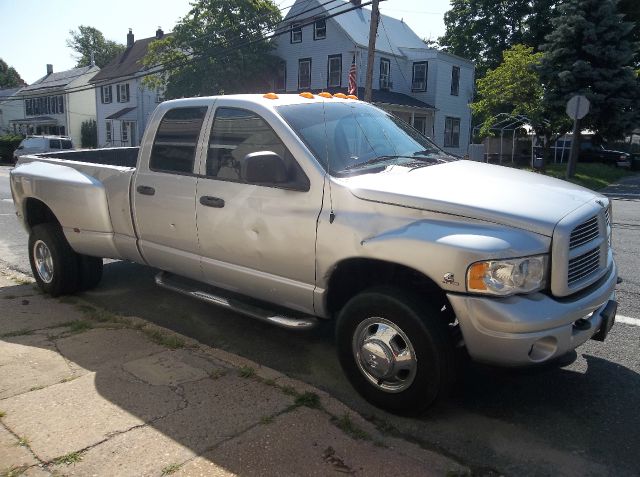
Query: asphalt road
[576,417]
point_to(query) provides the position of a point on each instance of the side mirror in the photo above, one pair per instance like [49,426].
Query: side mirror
[263,167]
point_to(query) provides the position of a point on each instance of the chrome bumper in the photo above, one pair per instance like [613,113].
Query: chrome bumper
[529,329]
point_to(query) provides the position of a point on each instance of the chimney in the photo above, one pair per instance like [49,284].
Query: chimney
[159,33]
[49,69]
[130,38]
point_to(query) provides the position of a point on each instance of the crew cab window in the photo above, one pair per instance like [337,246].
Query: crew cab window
[174,148]
[54,143]
[66,144]
[238,132]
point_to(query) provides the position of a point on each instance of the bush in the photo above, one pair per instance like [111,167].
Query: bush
[8,144]
[89,134]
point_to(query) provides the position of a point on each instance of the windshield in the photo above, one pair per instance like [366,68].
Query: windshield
[357,137]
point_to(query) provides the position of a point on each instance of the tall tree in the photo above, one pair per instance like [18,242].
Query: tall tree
[89,40]
[217,48]
[481,30]
[590,52]
[9,77]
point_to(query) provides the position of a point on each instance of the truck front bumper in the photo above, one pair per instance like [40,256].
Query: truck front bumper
[529,329]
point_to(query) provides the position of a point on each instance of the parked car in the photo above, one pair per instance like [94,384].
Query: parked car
[40,144]
[591,152]
[298,208]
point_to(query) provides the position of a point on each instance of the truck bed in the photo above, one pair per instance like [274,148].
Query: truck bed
[117,156]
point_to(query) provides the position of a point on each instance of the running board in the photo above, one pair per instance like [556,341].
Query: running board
[232,301]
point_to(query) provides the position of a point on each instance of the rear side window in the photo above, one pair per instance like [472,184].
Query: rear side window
[66,144]
[174,147]
[54,143]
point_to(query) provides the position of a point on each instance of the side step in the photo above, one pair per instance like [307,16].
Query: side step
[246,306]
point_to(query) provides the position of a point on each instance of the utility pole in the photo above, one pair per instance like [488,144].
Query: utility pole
[373,32]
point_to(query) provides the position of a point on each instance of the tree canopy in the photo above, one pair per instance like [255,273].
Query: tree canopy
[590,51]
[9,77]
[87,40]
[217,48]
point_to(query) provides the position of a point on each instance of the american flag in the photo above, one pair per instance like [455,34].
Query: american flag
[353,86]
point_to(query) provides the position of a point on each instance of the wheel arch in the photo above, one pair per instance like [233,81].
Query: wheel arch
[354,275]
[37,212]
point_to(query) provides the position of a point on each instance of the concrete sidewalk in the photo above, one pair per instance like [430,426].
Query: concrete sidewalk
[86,392]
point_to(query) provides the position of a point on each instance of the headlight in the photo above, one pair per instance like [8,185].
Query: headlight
[508,277]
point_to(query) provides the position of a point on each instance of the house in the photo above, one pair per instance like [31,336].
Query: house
[427,88]
[57,103]
[123,103]
[10,108]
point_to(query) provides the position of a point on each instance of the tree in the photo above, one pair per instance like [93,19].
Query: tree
[590,52]
[89,133]
[88,40]
[481,30]
[513,88]
[208,51]
[631,11]
[9,77]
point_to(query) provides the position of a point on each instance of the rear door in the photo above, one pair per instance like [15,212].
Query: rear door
[164,192]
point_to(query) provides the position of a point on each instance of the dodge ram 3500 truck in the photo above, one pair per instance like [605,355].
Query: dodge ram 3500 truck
[296,208]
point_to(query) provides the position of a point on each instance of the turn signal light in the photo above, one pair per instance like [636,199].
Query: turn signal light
[476,275]
[271,96]
[307,95]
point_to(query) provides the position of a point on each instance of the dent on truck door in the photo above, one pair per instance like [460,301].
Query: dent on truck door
[257,239]
[164,194]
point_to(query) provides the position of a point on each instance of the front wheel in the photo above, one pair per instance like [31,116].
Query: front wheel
[395,349]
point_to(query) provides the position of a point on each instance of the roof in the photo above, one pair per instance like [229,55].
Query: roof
[57,80]
[127,63]
[5,93]
[393,34]
[120,113]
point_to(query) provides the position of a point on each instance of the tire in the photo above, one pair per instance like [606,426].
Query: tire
[411,326]
[53,262]
[89,272]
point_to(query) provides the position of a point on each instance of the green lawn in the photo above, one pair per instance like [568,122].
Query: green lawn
[593,176]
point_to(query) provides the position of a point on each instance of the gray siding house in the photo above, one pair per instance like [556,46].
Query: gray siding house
[427,88]
[123,103]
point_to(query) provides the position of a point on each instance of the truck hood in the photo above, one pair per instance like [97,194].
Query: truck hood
[497,194]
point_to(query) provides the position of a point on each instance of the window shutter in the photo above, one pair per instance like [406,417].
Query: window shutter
[118,92]
[127,88]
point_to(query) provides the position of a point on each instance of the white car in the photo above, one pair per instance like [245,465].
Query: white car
[38,144]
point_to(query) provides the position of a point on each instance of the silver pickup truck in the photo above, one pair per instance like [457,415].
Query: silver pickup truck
[293,209]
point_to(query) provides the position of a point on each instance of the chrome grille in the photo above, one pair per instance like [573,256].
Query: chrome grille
[584,233]
[607,216]
[583,266]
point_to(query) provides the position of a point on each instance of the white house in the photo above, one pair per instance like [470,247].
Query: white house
[123,102]
[427,88]
[58,103]
[11,108]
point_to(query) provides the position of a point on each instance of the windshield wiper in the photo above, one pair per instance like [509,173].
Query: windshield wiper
[375,160]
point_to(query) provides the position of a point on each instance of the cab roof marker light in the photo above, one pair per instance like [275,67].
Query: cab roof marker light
[340,95]
[307,95]
[325,94]
[270,96]
[352,96]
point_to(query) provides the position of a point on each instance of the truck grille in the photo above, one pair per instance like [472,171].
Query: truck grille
[583,266]
[580,249]
[584,233]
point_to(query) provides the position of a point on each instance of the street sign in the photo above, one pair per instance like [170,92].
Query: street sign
[578,107]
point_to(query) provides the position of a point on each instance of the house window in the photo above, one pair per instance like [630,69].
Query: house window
[60,105]
[105,93]
[451,132]
[124,131]
[123,92]
[385,74]
[334,71]
[420,124]
[280,83]
[419,82]
[296,33]
[108,136]
[320,29]
[455,80]
[304,73]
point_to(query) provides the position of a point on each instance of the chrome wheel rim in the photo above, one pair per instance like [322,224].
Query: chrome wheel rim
[43,260]
[384,354]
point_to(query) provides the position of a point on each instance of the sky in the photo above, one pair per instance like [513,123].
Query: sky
[35,32]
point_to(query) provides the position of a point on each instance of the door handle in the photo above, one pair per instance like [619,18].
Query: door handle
[209,201]
[145,190]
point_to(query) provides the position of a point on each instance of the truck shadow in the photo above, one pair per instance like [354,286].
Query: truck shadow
[585,408]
